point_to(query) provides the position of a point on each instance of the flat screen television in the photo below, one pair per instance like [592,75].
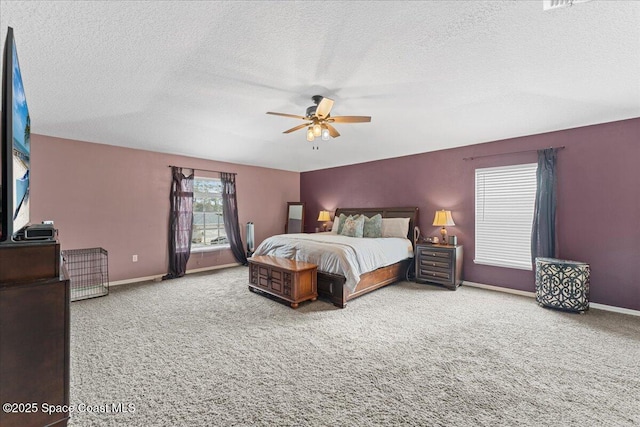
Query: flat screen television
[16,146]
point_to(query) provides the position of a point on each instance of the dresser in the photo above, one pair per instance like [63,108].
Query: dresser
[439,264]
[34,336]
[290,280]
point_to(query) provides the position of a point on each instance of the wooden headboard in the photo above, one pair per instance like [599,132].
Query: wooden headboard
[408,212]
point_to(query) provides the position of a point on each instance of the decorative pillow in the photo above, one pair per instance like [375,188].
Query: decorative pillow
[395,227]
[341,219]
[353,227]
[373,226]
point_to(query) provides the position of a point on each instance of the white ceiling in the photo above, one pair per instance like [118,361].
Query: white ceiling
[196,77]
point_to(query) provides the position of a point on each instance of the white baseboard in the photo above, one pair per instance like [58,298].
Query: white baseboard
[594,305]
[500,289]
[613,308]
[215,267]
[159,277]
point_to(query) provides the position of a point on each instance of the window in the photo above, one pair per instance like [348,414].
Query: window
[505,201]
[208,221]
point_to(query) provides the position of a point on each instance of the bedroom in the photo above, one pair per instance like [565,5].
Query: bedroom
[120,201]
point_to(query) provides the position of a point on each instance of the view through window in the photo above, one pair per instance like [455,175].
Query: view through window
[208,221]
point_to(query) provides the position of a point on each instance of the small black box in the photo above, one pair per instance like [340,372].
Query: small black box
[40,232]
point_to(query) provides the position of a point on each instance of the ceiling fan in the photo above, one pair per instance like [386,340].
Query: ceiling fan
[319,120]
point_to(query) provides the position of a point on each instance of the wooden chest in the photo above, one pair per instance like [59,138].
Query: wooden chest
[293,281]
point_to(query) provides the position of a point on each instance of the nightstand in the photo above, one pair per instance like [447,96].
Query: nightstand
[440,264]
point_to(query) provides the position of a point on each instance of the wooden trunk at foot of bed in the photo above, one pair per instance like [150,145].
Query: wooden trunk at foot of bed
[331,286]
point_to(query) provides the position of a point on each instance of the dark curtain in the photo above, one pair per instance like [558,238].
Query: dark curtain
[180,223]
[543,232]
[230,213]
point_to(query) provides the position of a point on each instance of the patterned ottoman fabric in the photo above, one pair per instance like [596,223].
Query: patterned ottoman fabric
[562,284]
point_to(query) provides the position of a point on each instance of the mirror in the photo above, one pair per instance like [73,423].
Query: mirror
[295,217]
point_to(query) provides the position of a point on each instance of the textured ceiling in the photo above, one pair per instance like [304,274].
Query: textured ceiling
[196,78]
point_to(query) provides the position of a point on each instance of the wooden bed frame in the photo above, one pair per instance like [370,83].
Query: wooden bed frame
[331,286]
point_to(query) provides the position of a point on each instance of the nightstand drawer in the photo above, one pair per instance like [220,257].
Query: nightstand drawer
[434,262]
[434,274]
[434,253]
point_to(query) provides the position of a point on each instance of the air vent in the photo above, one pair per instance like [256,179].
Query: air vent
[558,4]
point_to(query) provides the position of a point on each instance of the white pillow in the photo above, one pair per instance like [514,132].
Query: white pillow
[334,227]
[395,227]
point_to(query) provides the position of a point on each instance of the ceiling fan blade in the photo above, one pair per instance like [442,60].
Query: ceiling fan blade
[349,119]
[324,108]
[304,125]
[288,115]
[332,131]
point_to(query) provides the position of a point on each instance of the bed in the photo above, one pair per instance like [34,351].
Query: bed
[341,280]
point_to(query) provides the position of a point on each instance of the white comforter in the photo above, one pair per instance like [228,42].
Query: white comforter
[348,256]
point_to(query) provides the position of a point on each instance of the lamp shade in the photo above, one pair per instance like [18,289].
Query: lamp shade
[324,216]
[443,218]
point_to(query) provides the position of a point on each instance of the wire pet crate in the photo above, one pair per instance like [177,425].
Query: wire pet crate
[88,272]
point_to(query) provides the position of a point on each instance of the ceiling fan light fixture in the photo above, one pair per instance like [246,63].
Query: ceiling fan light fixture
[325,134]
[319,120]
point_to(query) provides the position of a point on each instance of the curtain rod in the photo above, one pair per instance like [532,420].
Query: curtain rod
[512,152]
[202,170]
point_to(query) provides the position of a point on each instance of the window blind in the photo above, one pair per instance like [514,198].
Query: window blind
[505,201]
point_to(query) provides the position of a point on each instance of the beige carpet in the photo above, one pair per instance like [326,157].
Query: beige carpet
[204,351]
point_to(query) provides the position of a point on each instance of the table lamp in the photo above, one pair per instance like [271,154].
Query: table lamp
[442,219]
[325,217]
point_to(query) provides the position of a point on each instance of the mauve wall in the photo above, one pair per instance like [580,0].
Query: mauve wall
[118,199]
[598,202]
